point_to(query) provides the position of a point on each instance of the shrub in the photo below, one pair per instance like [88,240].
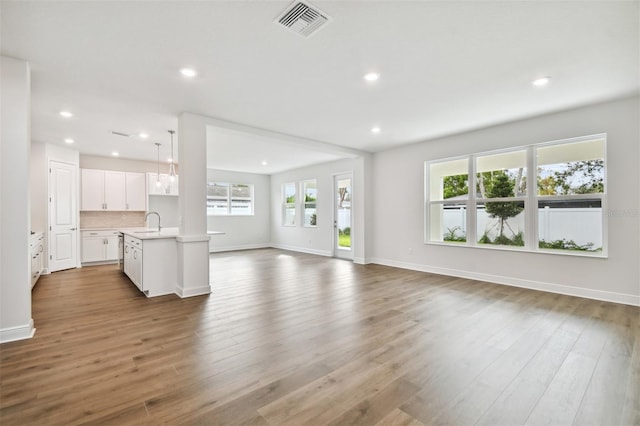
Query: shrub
[451,235]
[564,244]
[485,239]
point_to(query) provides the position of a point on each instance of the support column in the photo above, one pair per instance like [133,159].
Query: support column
[15,215]
[192,240]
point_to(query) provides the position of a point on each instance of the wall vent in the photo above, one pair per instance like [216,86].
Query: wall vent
[302,18]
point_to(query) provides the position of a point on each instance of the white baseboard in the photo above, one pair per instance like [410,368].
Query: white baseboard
[17,333]
[239,247]
[607,296]
[326,253]
[198,291]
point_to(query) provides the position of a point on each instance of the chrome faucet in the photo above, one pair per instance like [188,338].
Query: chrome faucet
[157,214]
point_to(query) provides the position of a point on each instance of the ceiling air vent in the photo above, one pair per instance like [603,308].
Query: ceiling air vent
[302,18]
[126,135]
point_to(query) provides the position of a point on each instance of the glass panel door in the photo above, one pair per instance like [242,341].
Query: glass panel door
[342,223]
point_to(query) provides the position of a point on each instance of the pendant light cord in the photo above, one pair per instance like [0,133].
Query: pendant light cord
[172,167]
[158,175]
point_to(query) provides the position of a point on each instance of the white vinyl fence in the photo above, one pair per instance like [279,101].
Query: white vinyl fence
[582,225]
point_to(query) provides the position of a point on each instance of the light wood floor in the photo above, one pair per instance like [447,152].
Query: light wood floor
[288,338]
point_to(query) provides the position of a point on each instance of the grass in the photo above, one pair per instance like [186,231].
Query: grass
[344,240]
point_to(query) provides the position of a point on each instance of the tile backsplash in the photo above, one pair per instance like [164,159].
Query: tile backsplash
[111,219]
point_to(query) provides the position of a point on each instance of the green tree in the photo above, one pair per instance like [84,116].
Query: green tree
[580,177]
[501,187]
[547,185]
[454,186]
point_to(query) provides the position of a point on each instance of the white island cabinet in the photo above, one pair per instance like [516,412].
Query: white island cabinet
[150,260]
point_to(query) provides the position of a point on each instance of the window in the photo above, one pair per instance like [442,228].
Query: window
[556,208]
[289,204]
[310,194]
[448,200]
[570,194]
[501,185]
[229,199]
[217,199]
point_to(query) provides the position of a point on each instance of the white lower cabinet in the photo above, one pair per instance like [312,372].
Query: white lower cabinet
[99,246]
[36,245]
[133,260]
[151,264]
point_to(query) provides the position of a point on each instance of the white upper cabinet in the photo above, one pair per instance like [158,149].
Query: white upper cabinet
[92,189]
[115,190]
[136,191]
[104,190]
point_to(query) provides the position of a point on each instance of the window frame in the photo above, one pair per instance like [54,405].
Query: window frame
[230,198]
[286,205]
[531,201]
[303,201]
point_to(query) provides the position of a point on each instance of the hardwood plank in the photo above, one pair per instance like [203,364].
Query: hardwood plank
[399,418]
[374,409]
[290,338]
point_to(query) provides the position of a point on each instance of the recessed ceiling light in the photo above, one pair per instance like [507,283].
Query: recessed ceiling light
[541,81]
[372,76]
[66,114]
[264,163]
[69,140]
[143,135]
[115,153]
[188,72]
[375,129]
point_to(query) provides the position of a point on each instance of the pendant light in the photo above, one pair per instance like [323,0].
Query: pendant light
[158,184]
[172,167]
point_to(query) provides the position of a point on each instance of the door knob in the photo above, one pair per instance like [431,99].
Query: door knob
[72,229]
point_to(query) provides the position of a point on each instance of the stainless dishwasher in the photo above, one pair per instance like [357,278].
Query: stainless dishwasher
[121,251]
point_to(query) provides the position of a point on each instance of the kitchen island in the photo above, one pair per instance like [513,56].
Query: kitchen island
[150,260]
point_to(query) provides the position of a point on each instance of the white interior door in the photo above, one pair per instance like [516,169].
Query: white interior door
[63,227]
[342,223]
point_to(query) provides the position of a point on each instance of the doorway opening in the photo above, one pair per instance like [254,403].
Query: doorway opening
[342,217]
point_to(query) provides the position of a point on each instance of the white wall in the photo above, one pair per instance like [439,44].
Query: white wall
[122,164]
[242,232]
[15,221]
[39,190]
[318,240]
[399,174]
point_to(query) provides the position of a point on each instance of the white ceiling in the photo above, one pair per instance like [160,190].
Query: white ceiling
[446,67]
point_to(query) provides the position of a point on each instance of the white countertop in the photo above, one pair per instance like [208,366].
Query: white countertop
[153,234]
[150,233]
